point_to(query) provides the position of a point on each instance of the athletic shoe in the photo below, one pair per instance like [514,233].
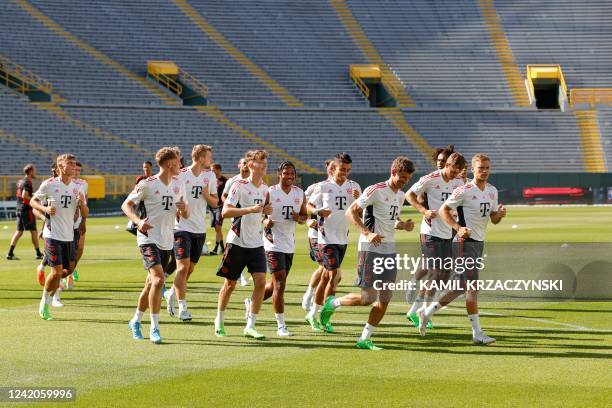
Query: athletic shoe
[367,345]
[415,320]
[328,328]
[247,307]
[43,312]
[169,296]
[75,275]
[40,275]
[220,330]
[56,301]
[39,256]
[213,252]
[184,315]
[327,311]
[481,338]
[155,337]
[12,258]
[422,323]
[135,329]
[243,281]
[314,324]
[253,334]
[283,332]
[306,302]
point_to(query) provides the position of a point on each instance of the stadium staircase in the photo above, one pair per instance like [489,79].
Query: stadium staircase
[590,136]
[14,76]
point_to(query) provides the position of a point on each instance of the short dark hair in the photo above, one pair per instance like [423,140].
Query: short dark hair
[216,166]
[79,164]
[343,158]
[28,168]
[456,159]
[285,164]
[148,162]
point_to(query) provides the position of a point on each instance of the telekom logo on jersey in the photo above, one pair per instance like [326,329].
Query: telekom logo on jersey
[65,201]
[167,202]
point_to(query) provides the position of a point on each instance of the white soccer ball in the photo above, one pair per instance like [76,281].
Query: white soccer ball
[117,227]
[514,226]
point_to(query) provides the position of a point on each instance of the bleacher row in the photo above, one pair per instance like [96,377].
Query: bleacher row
[441,52]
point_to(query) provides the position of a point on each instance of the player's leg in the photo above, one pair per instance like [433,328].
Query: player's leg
[141,308]
[156,273]
[80,248]
[279,280]
[377,313]
[182,252]
[230,271]
[256,263]
[194,254]
[54,253]
[14,239]
[315,256]
[31,226]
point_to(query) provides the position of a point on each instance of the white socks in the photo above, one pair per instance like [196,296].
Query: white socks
[475,320]
[137,317]
[154,321]
[314,310]
[367,332]
[46,297]
[251,321]
[182,305]
[431,309]
[280,320]
[336,303]
[220,317]
[416,305]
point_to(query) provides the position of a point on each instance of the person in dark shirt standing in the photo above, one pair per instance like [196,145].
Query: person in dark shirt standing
[25,217]
[216,219]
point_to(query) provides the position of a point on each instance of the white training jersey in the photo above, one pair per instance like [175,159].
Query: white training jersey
[281,238]
[85,191]
[230,182]
[474,207]
[312,232]
[334,228]
[435,192]
[246,230]
[381,208]
[64,197]
[194,187]
[160,204]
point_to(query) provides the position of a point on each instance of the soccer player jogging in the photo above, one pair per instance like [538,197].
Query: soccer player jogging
[476,202]
[288,208]
[244,249]
[243,174]
[330,201]
[436,235]
[163,196]
[216,219]
[79,226]
[190,233]
[26,221]
[63,197]
[315,253]
[376,215]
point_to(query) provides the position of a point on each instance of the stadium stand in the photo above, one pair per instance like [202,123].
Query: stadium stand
[441,51]
[262,60]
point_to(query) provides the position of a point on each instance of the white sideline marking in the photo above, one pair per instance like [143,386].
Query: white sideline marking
[535,319]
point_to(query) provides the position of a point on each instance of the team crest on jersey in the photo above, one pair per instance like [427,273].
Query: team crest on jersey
[157,192]
[57,190]
[187,182]
[296,201]
[176,190]
[474,198]
[75,191]
[491,196]
[437,187]
[278,200]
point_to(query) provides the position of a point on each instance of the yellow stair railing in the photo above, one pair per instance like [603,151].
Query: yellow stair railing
[193,83]
[590,138]
[29,80]
[168,82]
[358,81]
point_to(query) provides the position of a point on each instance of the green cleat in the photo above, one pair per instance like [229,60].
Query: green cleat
[220,331]
[367,345]
[327,311]
[253,334]
[415,320]
[314,324]
[75,275]
[328,328]
[43,311]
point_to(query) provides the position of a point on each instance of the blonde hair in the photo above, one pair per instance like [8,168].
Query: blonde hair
[199,151]
[166,153]
[480,157]
[65,157]
[256,155]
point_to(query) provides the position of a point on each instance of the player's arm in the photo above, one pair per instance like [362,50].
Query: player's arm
[407,225]
[36,204]
[82,205]
[497,216]
[354,214]
[302,216]
[266,220]
[315,202]
[210,194]
[412,196]
[230,211]
[129,205]
[446,213]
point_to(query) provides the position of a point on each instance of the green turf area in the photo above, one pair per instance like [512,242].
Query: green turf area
[547,353]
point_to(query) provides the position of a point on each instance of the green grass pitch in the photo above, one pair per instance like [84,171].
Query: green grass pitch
[547,353]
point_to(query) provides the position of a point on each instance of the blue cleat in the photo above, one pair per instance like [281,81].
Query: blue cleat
[135,329]
[155,337]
